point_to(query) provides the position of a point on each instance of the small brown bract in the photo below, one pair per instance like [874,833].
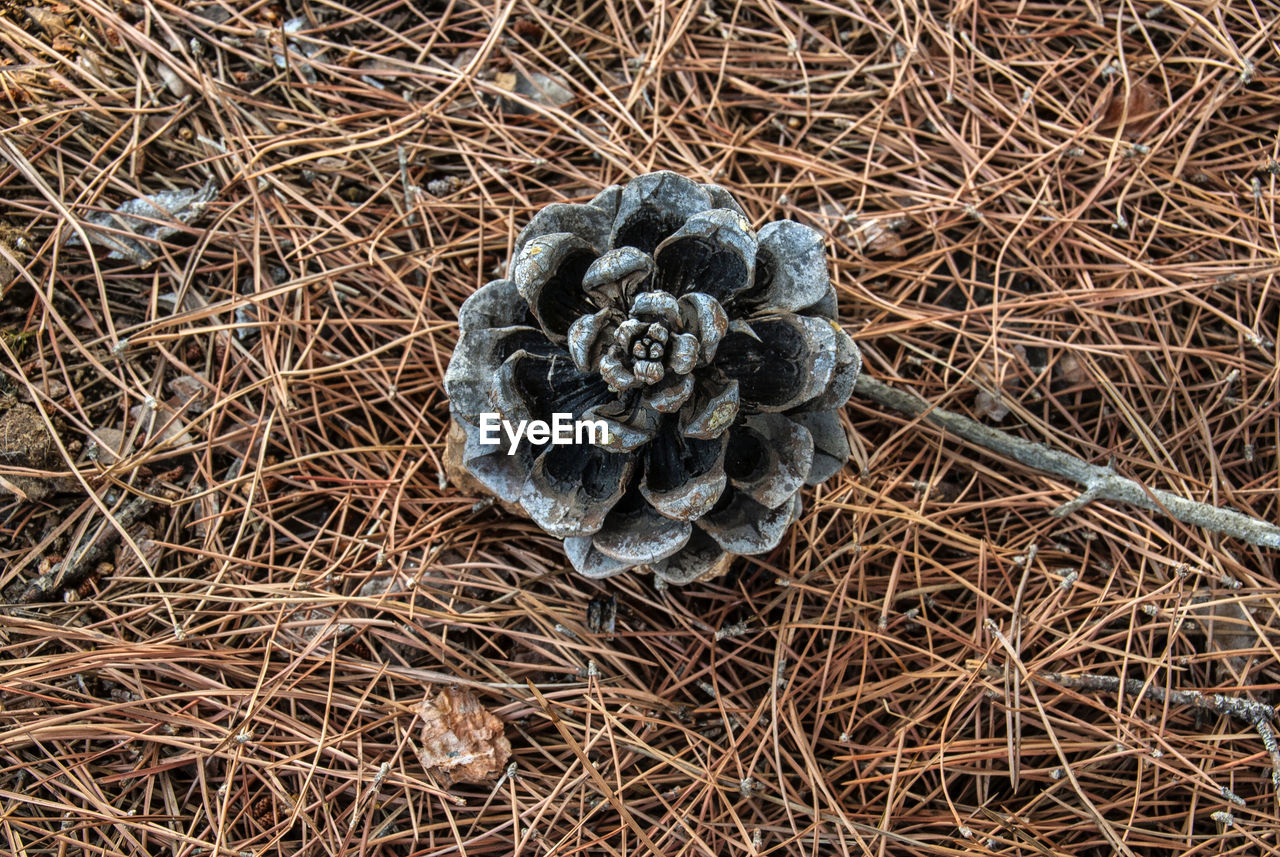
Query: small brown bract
[461,740]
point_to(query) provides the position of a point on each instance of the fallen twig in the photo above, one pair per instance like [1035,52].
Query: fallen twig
[1237,706]
[1099,482]
[79,564]
[1257,714]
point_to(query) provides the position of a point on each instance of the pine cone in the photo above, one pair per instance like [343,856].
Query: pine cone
[710,351]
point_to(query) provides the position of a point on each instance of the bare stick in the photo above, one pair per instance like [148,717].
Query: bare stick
[1256,714]
[1236,706]
[1099,483]
[72,571]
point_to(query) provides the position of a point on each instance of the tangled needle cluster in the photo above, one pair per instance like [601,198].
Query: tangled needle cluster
[710,350]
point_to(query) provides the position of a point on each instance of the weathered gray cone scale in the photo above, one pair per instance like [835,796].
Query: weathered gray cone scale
[711,350]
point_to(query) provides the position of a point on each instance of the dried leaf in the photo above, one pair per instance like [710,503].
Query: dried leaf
[162,418]
[172,81]
[319,626]
[382,70]
[879,235]
[189,390]
[389,584]
[49,386]
[1228,628]
[445,186]
[92,64]
[1144,103]
[304,68]
[536,87]
[106,444]
[127,562]
[152,218]
[16,84]
[48,20]
[990,405]
[1071,370]
[505,80]
[464,58]
[545,89]
[461,740]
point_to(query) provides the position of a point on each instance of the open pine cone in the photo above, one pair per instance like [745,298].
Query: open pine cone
[710,350]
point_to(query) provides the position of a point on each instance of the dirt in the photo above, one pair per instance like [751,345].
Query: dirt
[26,442]
[12,244]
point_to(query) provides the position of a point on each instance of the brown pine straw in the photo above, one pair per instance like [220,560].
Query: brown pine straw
[1065,211]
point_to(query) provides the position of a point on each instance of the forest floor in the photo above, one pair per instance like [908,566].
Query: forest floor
[233,569]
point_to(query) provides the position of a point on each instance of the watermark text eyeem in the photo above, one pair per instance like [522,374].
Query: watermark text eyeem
[561,431]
